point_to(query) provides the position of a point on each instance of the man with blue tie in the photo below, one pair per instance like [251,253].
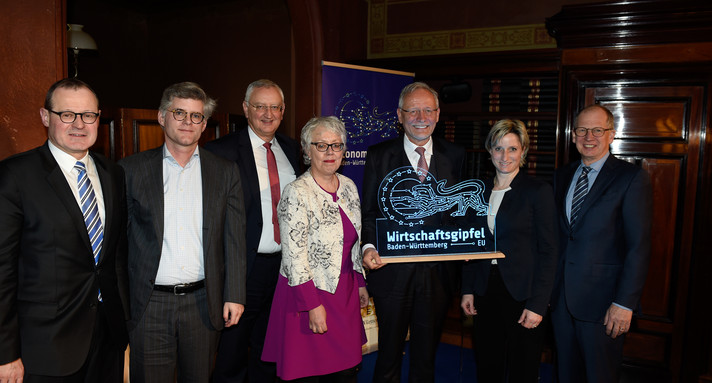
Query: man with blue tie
[63,276]
[605,214]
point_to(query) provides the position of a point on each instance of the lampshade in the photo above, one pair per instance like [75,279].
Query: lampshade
[78,39]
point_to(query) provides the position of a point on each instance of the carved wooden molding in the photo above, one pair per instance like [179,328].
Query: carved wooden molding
[631,22]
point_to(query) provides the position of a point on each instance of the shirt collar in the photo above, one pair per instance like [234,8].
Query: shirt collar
[65,160]
[168,156]
[596,166]
[409,146]
[256,141]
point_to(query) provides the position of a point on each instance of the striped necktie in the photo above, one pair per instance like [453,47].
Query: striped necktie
[580,192]
[90,211]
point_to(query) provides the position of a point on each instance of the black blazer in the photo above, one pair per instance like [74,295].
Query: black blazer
[605,254]
[48,280]
[238,148]
[446,163]
[223,225]
[527,235]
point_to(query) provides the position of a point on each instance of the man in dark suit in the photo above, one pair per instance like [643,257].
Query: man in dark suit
[186,249]
[409,295]
[63,280]
[264,108]
[605,212]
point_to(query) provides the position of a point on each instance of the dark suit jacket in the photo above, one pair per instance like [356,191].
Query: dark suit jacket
[446,163]
[604,256]
[238,148]
[48,280]
[223,225]
[527,235]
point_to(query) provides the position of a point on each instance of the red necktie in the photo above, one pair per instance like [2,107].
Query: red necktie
[274,187]
[422,163]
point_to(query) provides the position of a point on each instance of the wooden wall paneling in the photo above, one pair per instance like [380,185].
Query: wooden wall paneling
[659,126]
[33,55]
[307,53]
[139,130]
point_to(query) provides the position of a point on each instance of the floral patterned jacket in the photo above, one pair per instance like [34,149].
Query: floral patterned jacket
[311,233]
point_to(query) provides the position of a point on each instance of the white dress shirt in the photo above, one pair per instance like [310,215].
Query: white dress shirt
[286,175]
[66,163]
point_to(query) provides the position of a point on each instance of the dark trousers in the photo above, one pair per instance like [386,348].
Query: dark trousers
[234,362]
[104,363]
[419,301]
[174,338]
[584,352]
[504,350]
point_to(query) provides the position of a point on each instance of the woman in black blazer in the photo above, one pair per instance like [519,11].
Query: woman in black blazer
[509,297]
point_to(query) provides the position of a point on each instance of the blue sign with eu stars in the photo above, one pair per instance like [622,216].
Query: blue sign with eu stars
[425,220]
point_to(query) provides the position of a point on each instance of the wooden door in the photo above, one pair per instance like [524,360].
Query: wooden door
[659,126]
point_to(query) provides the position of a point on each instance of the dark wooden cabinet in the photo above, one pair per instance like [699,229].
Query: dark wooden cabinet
[650,63]
[125,131]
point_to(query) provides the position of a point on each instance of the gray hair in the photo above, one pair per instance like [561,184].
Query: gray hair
[262,83]
[187,90]
[331,123]
[410,88]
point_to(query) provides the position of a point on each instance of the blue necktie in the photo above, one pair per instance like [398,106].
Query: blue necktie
[90,211]
[580,192]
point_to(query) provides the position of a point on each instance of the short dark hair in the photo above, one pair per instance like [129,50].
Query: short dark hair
[67,83]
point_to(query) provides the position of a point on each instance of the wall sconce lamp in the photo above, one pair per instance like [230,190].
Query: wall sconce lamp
[78,39]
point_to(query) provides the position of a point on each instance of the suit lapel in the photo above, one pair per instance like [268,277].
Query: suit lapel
[153,177]
[287,146]
[58,182]
[248,166]
[209,182]
[107,188]
[564,182]
[604,178]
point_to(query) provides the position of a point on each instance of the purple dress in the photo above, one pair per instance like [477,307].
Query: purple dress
[290,343]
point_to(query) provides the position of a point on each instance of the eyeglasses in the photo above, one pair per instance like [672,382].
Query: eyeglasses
[180,115]
[323,146]
[68,117]
[597,132]
[414,112]
[264,108]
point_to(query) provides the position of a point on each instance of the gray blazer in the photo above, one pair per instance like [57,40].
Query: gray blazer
[223,230]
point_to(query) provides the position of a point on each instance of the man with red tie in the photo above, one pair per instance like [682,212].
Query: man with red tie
[268,161]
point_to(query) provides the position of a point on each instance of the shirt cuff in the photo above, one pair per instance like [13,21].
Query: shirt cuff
[621,306]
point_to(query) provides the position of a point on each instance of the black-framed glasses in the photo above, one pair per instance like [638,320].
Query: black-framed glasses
[597,132]
[263,108]
[414,112]
[323,146]
[180,115]
[68,117]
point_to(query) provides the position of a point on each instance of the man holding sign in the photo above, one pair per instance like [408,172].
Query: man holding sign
[411,295]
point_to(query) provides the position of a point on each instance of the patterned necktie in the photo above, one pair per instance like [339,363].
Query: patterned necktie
[90,211]
[580,192]
[422,163]
[274,187]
